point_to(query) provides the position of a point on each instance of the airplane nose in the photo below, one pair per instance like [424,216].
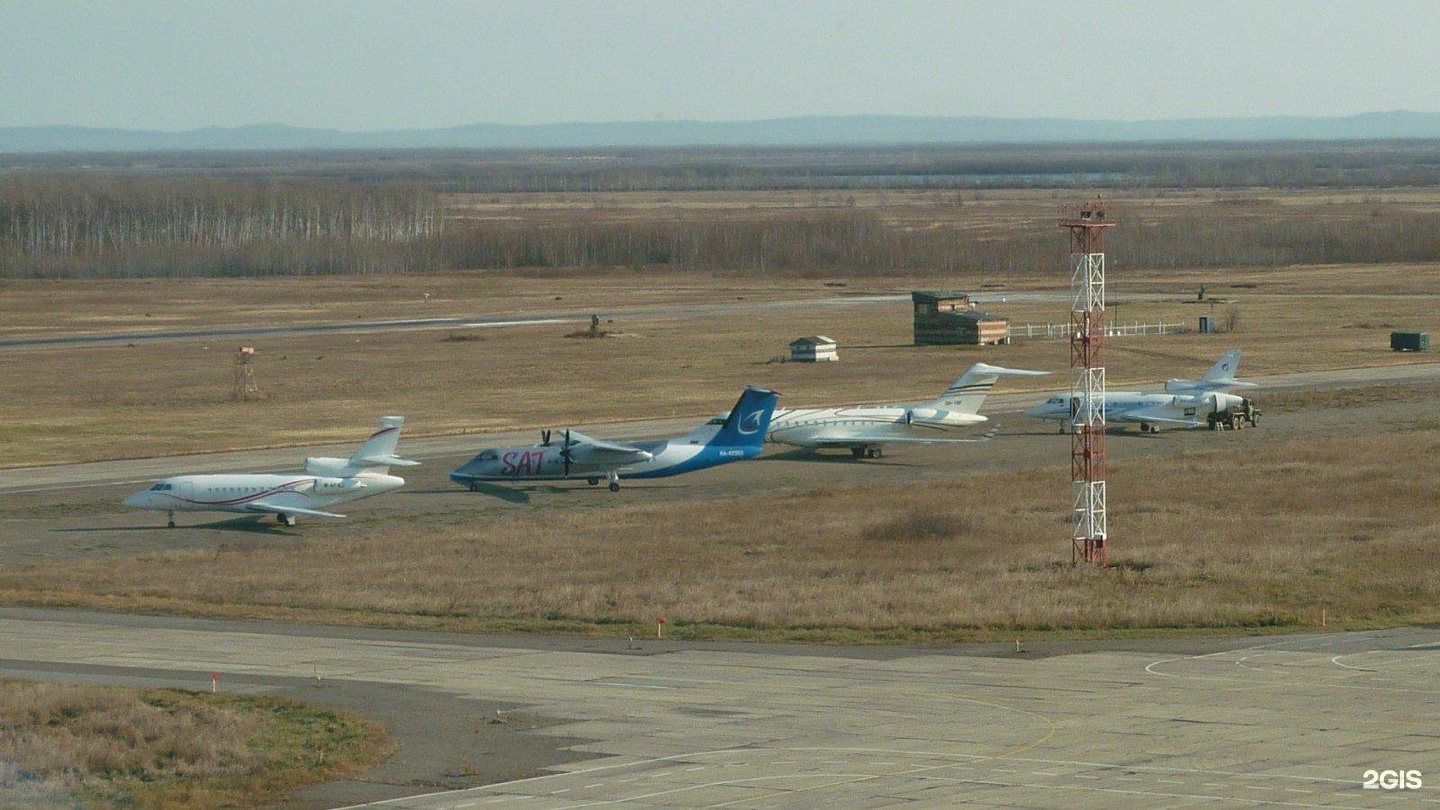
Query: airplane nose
[134,501]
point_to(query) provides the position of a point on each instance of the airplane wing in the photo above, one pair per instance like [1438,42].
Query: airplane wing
[852,440]
[611,447]
[599,451]
[269,509]
[1152,418]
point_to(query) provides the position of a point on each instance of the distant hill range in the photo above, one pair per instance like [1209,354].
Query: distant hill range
[854,130]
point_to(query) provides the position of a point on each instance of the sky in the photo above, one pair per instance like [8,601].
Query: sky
[366,65]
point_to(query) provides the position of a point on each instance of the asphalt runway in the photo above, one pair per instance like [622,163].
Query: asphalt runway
[1289,722]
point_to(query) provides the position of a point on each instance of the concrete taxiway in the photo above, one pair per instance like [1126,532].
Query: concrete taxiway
[1291,722]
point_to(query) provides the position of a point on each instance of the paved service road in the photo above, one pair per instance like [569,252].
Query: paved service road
[1289,722]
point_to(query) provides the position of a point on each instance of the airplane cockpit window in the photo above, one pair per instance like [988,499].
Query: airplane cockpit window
[160,487]
[489,455]
[719,420]
[1055,401]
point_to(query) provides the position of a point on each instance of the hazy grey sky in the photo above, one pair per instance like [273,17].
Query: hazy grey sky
[166,64]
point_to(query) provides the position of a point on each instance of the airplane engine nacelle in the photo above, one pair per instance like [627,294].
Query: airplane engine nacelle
[334,467]
[1175,386]
[330,486]
[921,416]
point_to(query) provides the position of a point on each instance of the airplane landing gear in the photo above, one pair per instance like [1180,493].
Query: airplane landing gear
[474,486]
[866,452]
[284,519]
[170,519]
[614,479]
[592,481]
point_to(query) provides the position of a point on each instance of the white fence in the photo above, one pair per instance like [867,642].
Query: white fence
[1058,331]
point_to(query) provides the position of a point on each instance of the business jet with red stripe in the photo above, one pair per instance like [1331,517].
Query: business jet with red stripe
[325,483]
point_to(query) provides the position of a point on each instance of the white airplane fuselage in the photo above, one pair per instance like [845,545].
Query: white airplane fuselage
[240,492]
[1149,410]
[842,427]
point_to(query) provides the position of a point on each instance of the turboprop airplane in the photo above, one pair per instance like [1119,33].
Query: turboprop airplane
[1184,403]
[326,482]
[576,456]
[866,429]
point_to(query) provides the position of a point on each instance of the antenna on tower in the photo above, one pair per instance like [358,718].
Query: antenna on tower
[1090,528]
[245,386]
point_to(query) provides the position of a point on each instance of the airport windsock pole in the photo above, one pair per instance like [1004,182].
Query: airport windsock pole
[1089,529]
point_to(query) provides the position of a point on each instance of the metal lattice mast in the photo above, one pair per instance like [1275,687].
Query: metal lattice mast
[1087,383]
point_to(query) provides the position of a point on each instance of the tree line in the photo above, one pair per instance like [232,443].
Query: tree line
[75,225]
[70,225]
[860,242]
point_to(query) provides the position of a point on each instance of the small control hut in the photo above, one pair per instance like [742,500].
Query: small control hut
[949,318]
[813,348]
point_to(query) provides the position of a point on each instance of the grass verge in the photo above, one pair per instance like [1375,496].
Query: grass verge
[118,747]
[1274,537]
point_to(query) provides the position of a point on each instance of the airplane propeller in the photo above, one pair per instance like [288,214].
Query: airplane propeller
[545,438]
[565,452]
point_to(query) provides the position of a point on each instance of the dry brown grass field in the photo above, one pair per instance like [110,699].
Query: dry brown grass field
[168,397]
[97,746]
[1268,537]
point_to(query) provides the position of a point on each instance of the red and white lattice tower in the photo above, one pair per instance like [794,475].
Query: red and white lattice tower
[1087,383]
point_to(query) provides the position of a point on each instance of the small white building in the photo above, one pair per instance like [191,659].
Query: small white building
[812,348]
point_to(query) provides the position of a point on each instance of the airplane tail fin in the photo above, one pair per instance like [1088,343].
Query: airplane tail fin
[377,454]
[1223,372]
[967,393]
[1219,377]
[747,422]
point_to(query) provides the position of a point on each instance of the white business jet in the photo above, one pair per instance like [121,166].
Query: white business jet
[865,429]
[1184,403]
[326,482]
